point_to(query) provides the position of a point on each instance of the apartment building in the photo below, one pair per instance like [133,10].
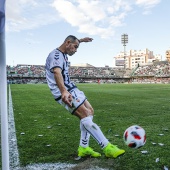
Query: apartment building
[135,57]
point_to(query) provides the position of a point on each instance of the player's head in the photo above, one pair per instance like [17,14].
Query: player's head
[71,44]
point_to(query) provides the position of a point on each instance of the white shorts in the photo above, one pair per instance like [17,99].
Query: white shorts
[78,99]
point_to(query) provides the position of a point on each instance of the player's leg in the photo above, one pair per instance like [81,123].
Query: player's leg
[85,136]
[84,114]
[84,149]
[110,150]
[80,109]
[80,99]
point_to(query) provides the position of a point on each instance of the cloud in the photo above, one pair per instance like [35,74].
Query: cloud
[147,5]
[28,14]
[92,17]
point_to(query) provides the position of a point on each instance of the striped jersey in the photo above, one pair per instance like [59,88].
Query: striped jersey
[57,59]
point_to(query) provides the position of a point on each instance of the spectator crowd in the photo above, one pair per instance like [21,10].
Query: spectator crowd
[153,73]
[39,71]
[157,70]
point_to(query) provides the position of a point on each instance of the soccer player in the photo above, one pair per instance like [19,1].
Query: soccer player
[69,96]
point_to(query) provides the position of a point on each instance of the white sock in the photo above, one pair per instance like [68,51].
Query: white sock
[95,131]
[85,136]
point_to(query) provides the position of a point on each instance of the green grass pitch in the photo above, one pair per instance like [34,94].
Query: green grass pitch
[52,134]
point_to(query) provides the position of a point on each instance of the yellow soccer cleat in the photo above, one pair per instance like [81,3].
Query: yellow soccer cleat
[82,152]
[112,151]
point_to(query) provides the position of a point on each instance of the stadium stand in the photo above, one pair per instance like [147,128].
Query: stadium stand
[158,72]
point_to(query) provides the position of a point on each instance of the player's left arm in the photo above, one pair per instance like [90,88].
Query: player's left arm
[65,95]
[86,39]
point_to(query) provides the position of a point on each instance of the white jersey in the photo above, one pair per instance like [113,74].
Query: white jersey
[57,59]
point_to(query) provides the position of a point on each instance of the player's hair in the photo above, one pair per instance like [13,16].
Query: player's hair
[72,38]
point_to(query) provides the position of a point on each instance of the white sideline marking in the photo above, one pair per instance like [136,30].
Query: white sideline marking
[13,149]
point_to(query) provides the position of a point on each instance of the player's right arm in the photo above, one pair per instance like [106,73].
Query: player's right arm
[65,95]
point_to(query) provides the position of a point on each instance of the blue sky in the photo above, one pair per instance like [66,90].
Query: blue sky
[36,27]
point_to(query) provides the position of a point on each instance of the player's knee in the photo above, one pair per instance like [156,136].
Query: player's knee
[91,111]
[82,113]
[86,113]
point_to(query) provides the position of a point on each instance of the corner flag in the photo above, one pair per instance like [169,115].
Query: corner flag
[3,91]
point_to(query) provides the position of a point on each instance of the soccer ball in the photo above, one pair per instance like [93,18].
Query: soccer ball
[134,136]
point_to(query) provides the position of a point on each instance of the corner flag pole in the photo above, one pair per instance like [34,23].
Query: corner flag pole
[3,91]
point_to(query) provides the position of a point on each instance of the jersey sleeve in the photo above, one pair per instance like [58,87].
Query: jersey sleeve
[56,60]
